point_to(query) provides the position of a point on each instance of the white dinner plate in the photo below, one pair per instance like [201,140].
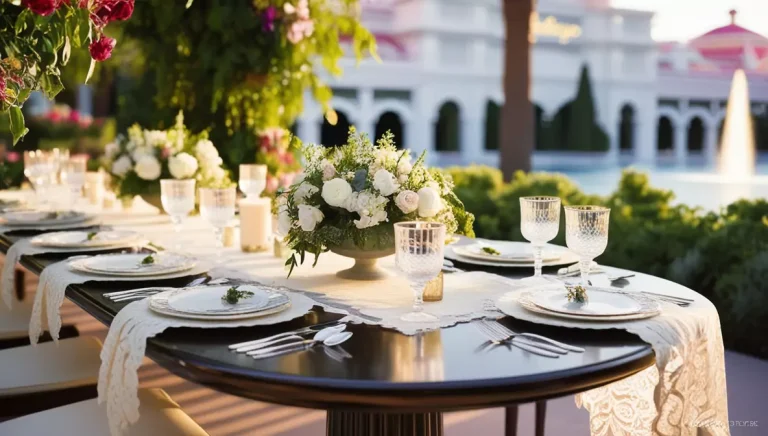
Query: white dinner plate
[565,257]
[600,302]
[277,302]
[41,218]
[650,308]
[207,300]
[79,239]
[509,251]
[129,264]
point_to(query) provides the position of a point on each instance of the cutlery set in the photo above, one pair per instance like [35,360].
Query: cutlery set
[268,347]
[497,334]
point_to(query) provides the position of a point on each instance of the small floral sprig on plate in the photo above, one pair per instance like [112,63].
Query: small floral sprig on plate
[149,260]
[354,193]
[577,294]
[492,251]
[234,295]
[91,236]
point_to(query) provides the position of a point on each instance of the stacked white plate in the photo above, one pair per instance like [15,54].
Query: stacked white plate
[603,304]
[130,264]
[81,239]
[53,220]
[508,254]
[205,303]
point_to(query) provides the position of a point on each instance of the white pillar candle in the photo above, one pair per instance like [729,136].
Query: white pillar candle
[94,187]
[255,224]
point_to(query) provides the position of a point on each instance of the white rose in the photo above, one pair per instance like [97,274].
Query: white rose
[121,166]
[336,192]
[430,203]
[111,150]
[148,168]
[309,217]
[407,201]
[385,182]
[329,171]
[404,167]
[182,166]
[304,191]
[207,154]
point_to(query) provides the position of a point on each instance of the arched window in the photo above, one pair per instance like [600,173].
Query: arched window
[665,133]
[492,117]
[390,121]
[627,128]
[696,134]
[331,136]
[447,128]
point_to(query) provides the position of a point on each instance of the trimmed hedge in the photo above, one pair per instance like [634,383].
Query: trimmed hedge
[722,255]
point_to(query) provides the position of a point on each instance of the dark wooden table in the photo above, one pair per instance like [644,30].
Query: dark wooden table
[393,384]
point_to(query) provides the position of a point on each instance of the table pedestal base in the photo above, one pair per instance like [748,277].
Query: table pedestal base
[341,423]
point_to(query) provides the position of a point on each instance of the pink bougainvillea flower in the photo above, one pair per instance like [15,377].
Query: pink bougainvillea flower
[41,7]
[101,49]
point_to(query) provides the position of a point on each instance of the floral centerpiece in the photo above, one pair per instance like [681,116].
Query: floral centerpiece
[139,160]
[350,197]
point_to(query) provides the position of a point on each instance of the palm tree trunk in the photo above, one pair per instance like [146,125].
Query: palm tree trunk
[516,145]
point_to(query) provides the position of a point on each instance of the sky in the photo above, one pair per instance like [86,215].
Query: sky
[681,20]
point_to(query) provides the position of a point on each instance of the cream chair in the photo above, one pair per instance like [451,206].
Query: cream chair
[34,378]
[14,325]
[159,416]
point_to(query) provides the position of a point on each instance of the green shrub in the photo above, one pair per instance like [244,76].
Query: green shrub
[722,255]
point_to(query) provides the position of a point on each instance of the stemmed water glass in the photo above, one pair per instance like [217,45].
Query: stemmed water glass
[178,198]
[40,168]
[539,223]
[217,206]
[586,234]
[419,254]
[253,180]
[72,172]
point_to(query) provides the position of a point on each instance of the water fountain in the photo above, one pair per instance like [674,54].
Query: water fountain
[737,146]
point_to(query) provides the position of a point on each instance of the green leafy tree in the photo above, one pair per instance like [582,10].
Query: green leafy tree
[237,67]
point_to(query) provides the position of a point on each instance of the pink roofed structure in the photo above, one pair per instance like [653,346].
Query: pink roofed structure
[730,47]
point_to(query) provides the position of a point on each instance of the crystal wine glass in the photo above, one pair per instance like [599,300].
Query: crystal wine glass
[178,198]
[39,169]
[217,206]
[539,223]
[586,234]
[253,180]
[419,254]
[72,173]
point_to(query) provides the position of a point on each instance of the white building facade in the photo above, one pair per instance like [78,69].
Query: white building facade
[446,57]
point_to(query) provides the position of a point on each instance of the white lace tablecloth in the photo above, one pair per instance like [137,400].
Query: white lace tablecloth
[53,283]
[24,247]
[126,343]
[683,394]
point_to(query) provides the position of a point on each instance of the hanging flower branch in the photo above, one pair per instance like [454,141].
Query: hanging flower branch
[37,38]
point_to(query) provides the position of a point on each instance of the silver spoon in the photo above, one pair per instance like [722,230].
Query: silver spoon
[319,336]
[334,339]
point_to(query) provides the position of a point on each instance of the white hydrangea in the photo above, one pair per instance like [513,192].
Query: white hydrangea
[122,165]
[148,168]
[336,192]
[304,191]
[155,138]
[370,207]
[309,217]
[182,166]
[141,151]
[111,150]
[207,154]
[385,182]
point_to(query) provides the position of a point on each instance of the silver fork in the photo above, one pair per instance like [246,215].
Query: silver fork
[511,334]
[497,339]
